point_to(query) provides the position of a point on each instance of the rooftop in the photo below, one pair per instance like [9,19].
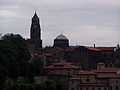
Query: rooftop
[88,72]
[62,65]
[108,75]
[61,37]
[93,84]
[105,48]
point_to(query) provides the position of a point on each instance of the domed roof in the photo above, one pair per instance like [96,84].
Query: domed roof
[61,37]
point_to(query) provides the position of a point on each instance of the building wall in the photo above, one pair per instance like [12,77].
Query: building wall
[73,84]
[114,84]
[85,57]
[69,72]
[94,88]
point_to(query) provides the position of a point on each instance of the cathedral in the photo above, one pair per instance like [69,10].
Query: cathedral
[85,56]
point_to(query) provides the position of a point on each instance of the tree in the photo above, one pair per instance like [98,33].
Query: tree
[21,45]
[38,63]
[15,54]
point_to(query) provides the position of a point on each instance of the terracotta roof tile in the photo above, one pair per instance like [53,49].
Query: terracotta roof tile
[58,48]
[62,65]
[87,72]
[101,63]
[107,70]
[92,48]
[108,76]
[93,84]
[72,48]
[74,78]
[105,48]
[47,54]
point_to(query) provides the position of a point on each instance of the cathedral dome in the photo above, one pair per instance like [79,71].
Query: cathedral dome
[61,37]
[61,41]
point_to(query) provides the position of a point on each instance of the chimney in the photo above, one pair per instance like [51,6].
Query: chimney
[94,45]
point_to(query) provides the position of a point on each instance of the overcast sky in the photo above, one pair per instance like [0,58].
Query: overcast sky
[83,22]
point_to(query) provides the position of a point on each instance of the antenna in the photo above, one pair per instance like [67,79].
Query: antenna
[76,43]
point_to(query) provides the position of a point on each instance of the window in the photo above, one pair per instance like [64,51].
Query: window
[104,55]
[68,73]
[88,79]
[93,88]
[110,87]
[99,88]
[72,89]
[112,55]
[116,81]
[86,88]
[116,88]
[80,88]
[72,81]
[105,88]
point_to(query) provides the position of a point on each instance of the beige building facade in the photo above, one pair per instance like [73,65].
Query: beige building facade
[102,79]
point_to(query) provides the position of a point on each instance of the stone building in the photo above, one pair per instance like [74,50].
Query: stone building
[101,79]
[85,55]
[63,68]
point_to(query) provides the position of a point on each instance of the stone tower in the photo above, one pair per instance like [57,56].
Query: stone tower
[35,33]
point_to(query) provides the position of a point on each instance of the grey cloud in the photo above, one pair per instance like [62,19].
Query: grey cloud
[68,16]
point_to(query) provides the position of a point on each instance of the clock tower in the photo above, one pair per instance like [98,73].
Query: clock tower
[35,33]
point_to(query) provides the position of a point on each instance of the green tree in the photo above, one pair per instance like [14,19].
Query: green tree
[38,63]
[20,43]
[15,54]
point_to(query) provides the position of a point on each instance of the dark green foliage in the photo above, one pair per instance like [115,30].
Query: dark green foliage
[20,45]
[14,68]
[52,85]
[14,55]
[38,87]
[24,68]
[48,85]
[2,75]
[38,63]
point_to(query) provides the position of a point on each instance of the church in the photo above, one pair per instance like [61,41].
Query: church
[85,56]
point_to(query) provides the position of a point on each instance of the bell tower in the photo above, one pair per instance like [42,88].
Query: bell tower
[35,32]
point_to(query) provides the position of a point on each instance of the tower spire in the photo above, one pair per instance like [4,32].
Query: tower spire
[35,32]
[35,15]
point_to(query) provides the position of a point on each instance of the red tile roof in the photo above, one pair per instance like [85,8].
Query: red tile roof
[101,63]
[71,48]
[105,48]
[107,70]
[47,54]
[92,48]
[93,84]
[87,72]
[62,65]
[108,76]
[58,48]
[74,78]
